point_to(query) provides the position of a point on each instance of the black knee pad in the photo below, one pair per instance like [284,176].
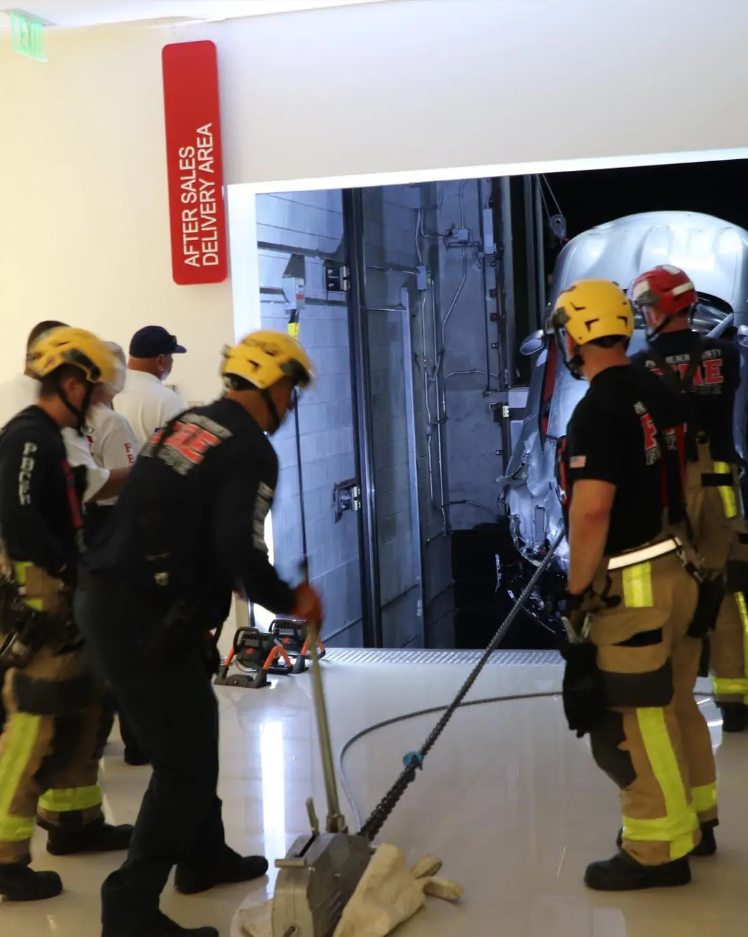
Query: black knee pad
[605,741]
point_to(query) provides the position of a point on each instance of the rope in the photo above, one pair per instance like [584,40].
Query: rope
[414,760]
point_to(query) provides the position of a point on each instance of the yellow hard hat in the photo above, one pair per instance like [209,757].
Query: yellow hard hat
[591,309]
[265,357]
[75,347]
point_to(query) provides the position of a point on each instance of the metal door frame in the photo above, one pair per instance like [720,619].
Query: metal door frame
[363,435]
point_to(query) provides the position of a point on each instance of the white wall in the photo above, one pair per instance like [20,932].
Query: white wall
[402,85]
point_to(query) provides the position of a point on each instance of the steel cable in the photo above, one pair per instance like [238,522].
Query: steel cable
[387,804]
[404,717]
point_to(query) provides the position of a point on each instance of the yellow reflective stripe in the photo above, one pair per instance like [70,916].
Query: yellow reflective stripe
[743,610]
[637,586]
[20,574]
[65,800]
[16,829]
[727,686]
[660,831]
[704,798]
[729,501]
[21,734]
[680,821]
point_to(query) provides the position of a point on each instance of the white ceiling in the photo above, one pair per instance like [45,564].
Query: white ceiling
[80,13]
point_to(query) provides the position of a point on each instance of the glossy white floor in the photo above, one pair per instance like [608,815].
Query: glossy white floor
[509,799]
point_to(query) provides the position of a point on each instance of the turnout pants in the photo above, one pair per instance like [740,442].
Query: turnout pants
[172,711]
[55,729]
[653,740]
[722,541]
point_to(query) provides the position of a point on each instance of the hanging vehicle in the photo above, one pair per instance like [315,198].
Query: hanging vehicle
[714,253]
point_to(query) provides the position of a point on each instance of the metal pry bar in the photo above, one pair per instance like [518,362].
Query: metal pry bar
[335,820]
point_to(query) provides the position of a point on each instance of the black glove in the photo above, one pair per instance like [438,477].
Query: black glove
[572,615]
[211,655]
[69,575]
[583,691]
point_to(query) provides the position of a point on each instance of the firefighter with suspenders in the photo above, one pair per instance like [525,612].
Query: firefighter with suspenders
[188,530]
[706,371]
[57,722]
[633,592]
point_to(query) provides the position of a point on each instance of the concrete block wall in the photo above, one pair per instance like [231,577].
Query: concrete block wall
[390,215]
[473,437]
[438,591]
[311,224]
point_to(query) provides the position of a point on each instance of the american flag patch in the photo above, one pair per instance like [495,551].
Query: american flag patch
[578,461]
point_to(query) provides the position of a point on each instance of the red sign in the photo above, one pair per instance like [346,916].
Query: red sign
[199,250]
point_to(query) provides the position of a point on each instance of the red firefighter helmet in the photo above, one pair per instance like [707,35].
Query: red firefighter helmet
[667,288]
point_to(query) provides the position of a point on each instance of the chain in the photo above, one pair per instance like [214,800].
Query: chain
[414,760]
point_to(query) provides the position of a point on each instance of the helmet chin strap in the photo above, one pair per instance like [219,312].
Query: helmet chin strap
[273,410]
[574,364]
[651,335]
[666,320]
[80,415]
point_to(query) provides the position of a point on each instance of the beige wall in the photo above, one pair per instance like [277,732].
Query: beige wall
[402,85]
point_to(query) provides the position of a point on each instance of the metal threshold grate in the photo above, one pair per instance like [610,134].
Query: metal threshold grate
[394,656]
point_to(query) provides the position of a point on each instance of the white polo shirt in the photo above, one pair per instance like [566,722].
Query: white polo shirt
[21,392]
[111,439]
[147,404]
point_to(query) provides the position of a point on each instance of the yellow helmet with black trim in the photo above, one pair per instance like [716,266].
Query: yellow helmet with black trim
[591,309]
[263,358]
[77,347]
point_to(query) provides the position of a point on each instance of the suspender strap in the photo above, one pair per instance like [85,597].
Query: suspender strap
[152,521]
[683,383]
[672,476]
[716,479]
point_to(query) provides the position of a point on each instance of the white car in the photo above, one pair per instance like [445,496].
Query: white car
[714,253]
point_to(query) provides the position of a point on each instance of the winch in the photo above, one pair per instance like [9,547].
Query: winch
[321,871]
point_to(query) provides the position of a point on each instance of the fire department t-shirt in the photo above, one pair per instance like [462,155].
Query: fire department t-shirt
[711,398]
[612,436]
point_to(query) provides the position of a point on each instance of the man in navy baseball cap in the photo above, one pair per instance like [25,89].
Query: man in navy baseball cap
[145,402]
[153,341]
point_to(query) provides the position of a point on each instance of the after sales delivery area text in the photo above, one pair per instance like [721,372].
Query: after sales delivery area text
[200,245]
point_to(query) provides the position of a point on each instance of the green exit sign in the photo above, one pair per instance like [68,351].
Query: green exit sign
[27,35]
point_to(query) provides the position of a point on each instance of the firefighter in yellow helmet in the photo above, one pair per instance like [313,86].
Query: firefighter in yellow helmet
[55,728]
[187,531]
[634,648]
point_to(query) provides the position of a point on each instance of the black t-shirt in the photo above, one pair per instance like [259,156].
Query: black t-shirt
[711,397]
[213,479]
[40,510]
[613,437]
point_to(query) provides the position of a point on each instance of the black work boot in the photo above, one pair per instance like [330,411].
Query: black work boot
[707,845]
[229,870]
[161,927]
[624,873]
[20,883]
[734,717]
[98,836]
